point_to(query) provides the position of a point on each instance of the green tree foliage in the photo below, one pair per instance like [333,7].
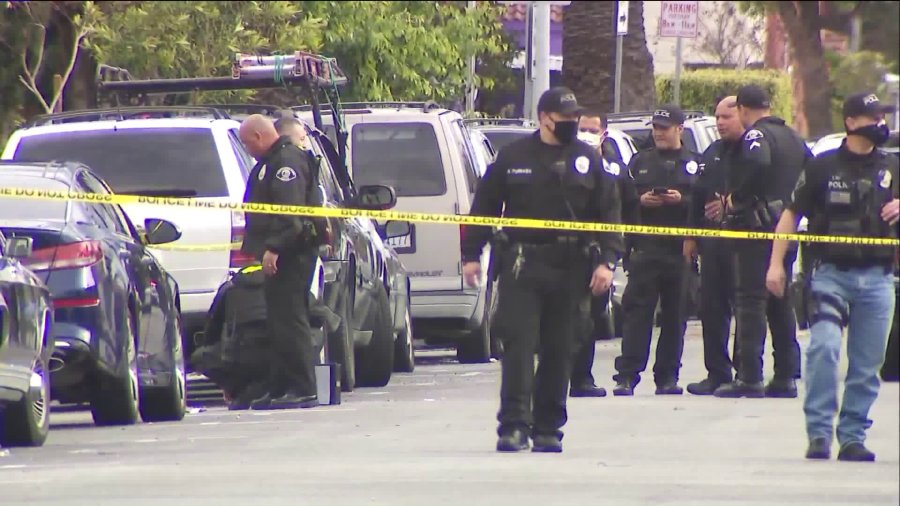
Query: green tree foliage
[409,50]
[701,88]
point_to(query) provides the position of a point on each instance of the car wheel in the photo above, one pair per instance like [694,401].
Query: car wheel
[115,400]
[168,403]
[375,361]
[404,351]
[340,344]
[27,422]
[476,347]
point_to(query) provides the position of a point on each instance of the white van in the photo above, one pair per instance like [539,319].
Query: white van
[425,153]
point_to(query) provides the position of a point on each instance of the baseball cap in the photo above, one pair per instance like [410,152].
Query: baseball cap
[753,97]
[667,116]
[865,104]
[560,100]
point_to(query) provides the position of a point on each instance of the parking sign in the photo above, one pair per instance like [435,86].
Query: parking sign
[679,19]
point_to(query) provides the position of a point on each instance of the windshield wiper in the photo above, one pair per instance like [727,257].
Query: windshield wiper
[160,192]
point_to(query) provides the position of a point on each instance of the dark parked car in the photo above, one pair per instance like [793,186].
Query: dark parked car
[26,320]
[116,333]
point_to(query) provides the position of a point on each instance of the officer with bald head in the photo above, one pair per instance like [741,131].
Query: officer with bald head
[287,247]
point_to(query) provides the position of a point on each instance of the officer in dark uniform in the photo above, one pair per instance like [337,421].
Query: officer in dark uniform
[544,274]
[663,177]
[597,320]
[287,247]
[717,265]
[769,163]
[851,192]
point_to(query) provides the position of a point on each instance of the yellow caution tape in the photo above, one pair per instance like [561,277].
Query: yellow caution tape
[449,219]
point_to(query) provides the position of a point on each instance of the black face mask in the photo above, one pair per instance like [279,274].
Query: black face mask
[565,131]
[876,134]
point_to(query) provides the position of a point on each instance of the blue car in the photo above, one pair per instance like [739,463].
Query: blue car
[117,332]
[26,320]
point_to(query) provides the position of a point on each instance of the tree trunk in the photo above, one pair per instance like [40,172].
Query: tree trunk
[638,83]
[589,53]
[812,88]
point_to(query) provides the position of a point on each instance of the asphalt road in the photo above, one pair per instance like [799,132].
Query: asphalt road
[428,439]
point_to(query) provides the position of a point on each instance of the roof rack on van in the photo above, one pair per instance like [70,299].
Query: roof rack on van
[621,116]
[425,106]
[237,110]
[124,113]
[527,123]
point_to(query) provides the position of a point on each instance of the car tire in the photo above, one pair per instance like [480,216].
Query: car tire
[480,344]
[27,421]
[340,344]
[404,350]
[375,361]
[168,403]
[115,400]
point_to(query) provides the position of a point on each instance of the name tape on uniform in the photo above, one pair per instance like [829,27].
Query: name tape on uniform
[449,219]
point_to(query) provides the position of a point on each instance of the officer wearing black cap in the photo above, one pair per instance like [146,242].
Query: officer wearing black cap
[544,274]
[663,177]
[767,167]
[851,191]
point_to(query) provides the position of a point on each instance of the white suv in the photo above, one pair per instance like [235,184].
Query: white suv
[146,151]
[426,154]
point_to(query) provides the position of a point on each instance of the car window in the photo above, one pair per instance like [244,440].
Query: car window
[463,143]
[245,161]
[405,156]
[123,223]
[48,210]
[151,161]
[101,214]
[501,139]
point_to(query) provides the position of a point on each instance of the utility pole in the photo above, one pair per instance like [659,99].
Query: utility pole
[621,30]
[528,65]
[470,80]
[541,54]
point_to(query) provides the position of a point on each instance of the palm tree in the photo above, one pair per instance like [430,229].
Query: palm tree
[589,56]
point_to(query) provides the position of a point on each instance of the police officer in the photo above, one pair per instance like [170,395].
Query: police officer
[663,177]
[544,274]
[851,191]
[768,165]
[287,248]
[598,323]
[717,266]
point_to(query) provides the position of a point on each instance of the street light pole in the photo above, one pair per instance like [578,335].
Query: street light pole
[541,53]
[470,78]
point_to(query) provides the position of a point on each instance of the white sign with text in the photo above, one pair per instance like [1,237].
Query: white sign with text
[679,19]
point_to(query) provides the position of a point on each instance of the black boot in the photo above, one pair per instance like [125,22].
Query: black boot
[587,390]
[739,389]
[855,452]
[624,388]
[514,440]
[819,449]
[547,443]
[293,400]
[782,388]
[705,387]
[668,388]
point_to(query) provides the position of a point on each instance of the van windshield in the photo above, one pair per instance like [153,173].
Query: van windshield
[149,161]
[405,156]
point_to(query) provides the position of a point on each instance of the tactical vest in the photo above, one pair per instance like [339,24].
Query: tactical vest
[852,208]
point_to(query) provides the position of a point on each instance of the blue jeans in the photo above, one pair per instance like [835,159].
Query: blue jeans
[863,298]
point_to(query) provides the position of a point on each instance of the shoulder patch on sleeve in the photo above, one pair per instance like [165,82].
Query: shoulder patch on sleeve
[286,174]
[613,168]
[753,135]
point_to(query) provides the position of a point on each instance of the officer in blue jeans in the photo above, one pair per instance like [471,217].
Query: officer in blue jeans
[850,191]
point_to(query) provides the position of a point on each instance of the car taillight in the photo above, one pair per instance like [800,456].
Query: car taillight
[65,256]
[64,303]
[237,258]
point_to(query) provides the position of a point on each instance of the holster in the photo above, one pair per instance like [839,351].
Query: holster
[499,246]
[802,297]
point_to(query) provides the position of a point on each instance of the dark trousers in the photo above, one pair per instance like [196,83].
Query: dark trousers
[287,311]
[754,306]
[653,277]
[595,326]
[716,307]
[538,310]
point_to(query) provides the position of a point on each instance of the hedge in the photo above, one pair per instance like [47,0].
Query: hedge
[700,88]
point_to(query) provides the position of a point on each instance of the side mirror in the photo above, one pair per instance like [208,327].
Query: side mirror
[396,228]
[376,197]
[160,231]
[19,247]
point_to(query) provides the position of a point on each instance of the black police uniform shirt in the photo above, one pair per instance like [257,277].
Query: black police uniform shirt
[281,176]
[670,169]
[714,165]
[842,193]
[769,163]
[531,179]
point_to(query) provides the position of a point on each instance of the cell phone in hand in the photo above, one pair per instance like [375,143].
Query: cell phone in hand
[659,190]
